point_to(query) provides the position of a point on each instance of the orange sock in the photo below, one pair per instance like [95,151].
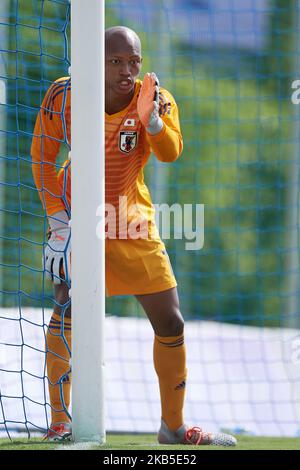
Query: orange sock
[170,366]
[58,367]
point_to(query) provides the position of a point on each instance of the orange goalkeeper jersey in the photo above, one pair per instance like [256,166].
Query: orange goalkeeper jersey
[127,150]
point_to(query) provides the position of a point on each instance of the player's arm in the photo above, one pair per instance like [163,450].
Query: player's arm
[159,115]
[48,135]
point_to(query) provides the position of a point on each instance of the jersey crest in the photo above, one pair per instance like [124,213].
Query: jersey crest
[127,141]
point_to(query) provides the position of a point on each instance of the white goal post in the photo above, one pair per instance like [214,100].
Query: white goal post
[88,250]
[4,12]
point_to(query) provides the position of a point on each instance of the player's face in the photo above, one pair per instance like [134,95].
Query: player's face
[123,63]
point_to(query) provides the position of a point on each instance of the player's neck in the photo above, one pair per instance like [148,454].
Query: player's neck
[115,104]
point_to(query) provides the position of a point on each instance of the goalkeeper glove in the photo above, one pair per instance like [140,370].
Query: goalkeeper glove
[147,104]
[58,249]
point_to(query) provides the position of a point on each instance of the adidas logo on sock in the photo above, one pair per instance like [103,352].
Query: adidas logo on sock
[180,386]
[66,378]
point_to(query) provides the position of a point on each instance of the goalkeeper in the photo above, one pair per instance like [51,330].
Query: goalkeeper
[140,117]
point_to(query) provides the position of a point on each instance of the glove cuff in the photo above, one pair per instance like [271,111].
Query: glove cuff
[156,127]
[58,221]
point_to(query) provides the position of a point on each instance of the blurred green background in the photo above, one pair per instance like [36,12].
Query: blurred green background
[238,125]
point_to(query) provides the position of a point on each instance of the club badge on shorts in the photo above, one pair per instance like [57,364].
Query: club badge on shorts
[127,141]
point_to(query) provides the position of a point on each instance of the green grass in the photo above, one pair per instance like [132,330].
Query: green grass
[148,442]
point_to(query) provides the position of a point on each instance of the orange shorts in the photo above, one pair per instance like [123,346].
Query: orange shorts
[137,267]
[132,267]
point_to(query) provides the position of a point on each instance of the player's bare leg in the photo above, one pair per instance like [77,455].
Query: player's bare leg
[163,311]
[61,295]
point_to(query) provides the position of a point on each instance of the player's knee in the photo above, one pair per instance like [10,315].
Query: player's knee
[172,324]
[177,324]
